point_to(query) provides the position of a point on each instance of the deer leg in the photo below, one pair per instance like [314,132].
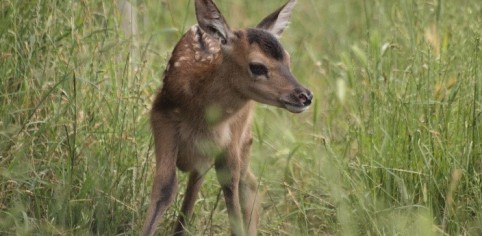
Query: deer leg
[249,202]
[163,193]
[228,173]
[248,188]
[164,187]
[192,190]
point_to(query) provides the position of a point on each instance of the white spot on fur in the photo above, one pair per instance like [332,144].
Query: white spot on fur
[187,88]
[183,58]
[177,64]
[196,38]
[194,28]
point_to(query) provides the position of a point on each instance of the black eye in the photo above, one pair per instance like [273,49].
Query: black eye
[258,69]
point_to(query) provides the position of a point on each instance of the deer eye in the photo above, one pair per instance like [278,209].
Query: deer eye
[258,69]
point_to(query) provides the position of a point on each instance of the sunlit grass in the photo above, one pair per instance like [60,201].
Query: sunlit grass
[391,146]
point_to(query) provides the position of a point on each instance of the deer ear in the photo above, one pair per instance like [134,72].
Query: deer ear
[277,21]
[211,20]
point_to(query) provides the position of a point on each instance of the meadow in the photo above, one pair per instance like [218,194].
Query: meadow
[391,146]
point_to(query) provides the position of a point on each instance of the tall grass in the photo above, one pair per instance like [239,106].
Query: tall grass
[392,145]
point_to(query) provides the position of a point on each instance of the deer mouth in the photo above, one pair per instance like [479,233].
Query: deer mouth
[298,101]
[295,108]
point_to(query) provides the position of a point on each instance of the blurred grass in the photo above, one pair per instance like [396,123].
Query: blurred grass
[392,145]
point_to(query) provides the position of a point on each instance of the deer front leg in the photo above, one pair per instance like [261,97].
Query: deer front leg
[192,190]
[248,188]
[165,182]
[228,174]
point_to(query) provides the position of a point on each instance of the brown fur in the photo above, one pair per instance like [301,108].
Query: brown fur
[202,117]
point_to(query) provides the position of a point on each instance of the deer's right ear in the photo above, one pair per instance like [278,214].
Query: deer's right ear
[211,20]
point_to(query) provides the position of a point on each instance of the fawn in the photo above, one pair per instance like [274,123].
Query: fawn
[202,115]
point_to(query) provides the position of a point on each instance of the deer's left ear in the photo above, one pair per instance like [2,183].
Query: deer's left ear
[277,21]
[211,20]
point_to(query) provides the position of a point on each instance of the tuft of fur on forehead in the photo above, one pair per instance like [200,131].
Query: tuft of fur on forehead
[266,42]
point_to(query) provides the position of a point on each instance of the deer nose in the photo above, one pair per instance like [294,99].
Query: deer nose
[305,96]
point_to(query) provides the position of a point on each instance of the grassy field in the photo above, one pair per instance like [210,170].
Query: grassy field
[391,146]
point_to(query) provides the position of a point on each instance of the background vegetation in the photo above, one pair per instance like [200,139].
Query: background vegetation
[392,145]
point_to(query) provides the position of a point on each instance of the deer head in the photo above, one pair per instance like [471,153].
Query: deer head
[253,60]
